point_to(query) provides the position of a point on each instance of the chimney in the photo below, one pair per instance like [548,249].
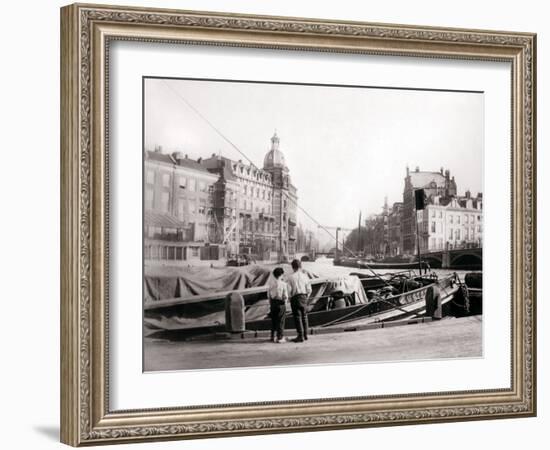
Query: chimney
[441,170]
[447,174]
[407,170]
[158,148]
[199,160]
[468,194]
[177,156]
[417,169]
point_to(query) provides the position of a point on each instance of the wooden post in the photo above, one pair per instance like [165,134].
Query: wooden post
[234,313]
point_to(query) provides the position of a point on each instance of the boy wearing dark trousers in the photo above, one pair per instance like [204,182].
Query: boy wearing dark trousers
[300,290]
[278,299]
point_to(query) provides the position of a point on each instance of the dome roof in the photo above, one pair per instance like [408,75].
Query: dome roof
[274,157]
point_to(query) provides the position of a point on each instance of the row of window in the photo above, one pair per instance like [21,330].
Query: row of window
[256,225]
[260,176]
[468,218]
[191,184]
[249,206]
[255,192]
[184,207]
[439,244]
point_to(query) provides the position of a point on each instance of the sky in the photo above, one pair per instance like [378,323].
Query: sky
[347,148]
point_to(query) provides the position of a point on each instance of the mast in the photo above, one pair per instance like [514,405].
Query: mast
[359,243]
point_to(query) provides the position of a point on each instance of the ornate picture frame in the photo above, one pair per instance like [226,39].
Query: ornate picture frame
[86,33]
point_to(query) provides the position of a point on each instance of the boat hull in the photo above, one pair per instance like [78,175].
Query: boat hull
[406,305]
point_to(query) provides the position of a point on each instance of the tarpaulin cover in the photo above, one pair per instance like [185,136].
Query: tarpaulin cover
[185,282]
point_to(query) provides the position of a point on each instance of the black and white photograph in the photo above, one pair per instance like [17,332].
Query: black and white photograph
[294,224]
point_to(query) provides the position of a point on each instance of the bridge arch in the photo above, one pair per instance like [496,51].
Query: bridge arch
[467,260]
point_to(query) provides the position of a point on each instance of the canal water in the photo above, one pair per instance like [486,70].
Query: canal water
[324,267]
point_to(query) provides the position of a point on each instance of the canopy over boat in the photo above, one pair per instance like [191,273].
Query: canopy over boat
[176,282]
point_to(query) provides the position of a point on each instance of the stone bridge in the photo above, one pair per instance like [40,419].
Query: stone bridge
[460,258]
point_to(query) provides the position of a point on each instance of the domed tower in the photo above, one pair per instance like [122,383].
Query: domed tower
[284,199]
[274,158]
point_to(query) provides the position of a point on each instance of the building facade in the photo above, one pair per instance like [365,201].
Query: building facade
[448,221]
[439,184]
[215,207]
[451,223]
[395,238]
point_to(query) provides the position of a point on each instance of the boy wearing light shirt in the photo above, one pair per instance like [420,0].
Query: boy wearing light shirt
[300,290]
[278,299]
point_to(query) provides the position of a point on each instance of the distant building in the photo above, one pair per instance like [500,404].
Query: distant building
[395,237]
[451,222]
[214,207]
[375,243]
[434,184]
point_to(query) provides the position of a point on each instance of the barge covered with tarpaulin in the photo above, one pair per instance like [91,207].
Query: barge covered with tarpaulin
[333,300]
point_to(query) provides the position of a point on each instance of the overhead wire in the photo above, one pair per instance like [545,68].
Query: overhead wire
[234,146]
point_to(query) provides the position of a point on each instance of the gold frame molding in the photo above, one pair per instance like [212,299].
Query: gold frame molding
[86,31]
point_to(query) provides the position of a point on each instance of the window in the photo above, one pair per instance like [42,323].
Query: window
[195,251]
[451,218]
[166,180]
[440,214]
[457,234]
[433,212]
[457,219]
[150,177]
[450,234]
[192,207]
[149,195]
[433,228]
[181,209]
[202,207]
[192,185]
[165,202]
[245,189]
[183,181]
